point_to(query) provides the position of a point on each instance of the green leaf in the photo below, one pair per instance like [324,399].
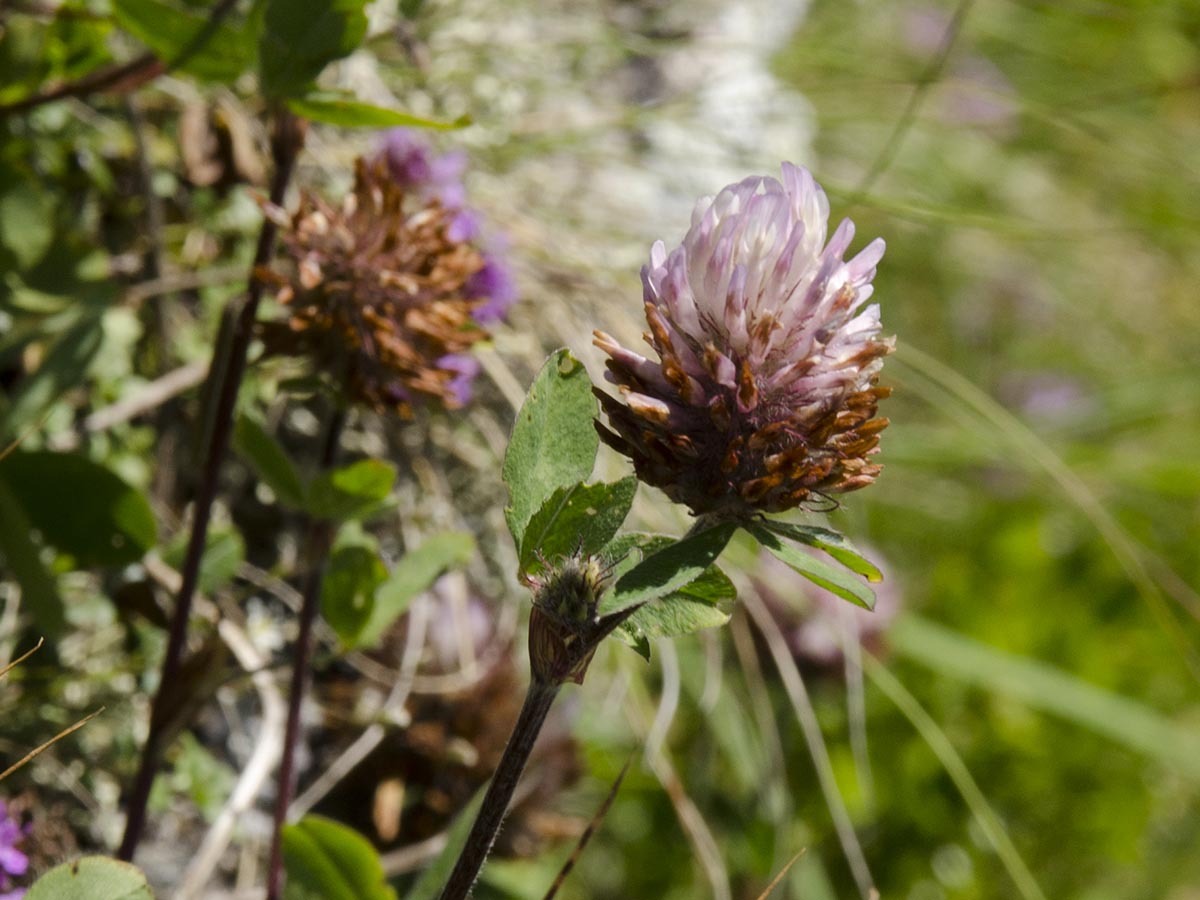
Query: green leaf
[270,461]
[348,591]
[437,873]
[553,442]
[26,222]
[691,608]
[64,367]
[301,37]
[346,112]
[832,542]
[669,569]
[91,878]
[80,507]
[39,593]
[579,518]
[224,552]
[351,491]
[414,573]
[325,860]
[170,32]
[834,579]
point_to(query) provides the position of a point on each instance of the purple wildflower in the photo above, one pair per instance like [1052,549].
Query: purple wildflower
[764,394]
[13,863]
[465,368]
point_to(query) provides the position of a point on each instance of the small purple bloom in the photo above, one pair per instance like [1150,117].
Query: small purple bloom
[13,863]
[495,283]
[466,368]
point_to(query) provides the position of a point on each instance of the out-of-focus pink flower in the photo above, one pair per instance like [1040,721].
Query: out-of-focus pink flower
[434,177]
[13,863]
[764,393]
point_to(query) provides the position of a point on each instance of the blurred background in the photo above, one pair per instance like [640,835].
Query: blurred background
[1020,718]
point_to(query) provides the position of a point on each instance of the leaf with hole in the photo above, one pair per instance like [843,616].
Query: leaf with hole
[553,441]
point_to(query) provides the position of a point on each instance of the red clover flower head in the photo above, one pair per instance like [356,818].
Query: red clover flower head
[763,397]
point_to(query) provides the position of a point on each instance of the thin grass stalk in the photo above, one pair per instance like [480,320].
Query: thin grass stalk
[225,378]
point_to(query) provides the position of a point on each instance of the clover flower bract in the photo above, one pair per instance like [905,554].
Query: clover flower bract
[764,394]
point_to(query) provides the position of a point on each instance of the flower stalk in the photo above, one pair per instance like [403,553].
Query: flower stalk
[318,544]
[225,377]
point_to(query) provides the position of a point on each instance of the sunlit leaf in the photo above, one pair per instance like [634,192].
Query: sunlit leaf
[553,442]
[831,542]
[667,570]
[91,878]
[580,518]
[832,578]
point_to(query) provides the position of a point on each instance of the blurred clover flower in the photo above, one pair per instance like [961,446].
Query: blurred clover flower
[13,863]
[390,289]
[764,395]
[434,177]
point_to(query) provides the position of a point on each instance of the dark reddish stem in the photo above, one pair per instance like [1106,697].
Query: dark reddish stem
[225,377]
[538,700]
[320,538]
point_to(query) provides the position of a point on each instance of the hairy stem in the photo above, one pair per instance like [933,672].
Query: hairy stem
[225,377]
[538,701]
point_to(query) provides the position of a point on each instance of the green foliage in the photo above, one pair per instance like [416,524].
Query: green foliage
[414,573]
[269,460]
[224,553]
[351,491]
[346,112]
[301,37]
[553,443]
[667,570]
[831,542]
[580,518]
[64,367]
[325,860]
[353,575]
[699,604]
[26,222]
[170,32]
[108,523]
[21,555]
[91,878]
[820,573]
